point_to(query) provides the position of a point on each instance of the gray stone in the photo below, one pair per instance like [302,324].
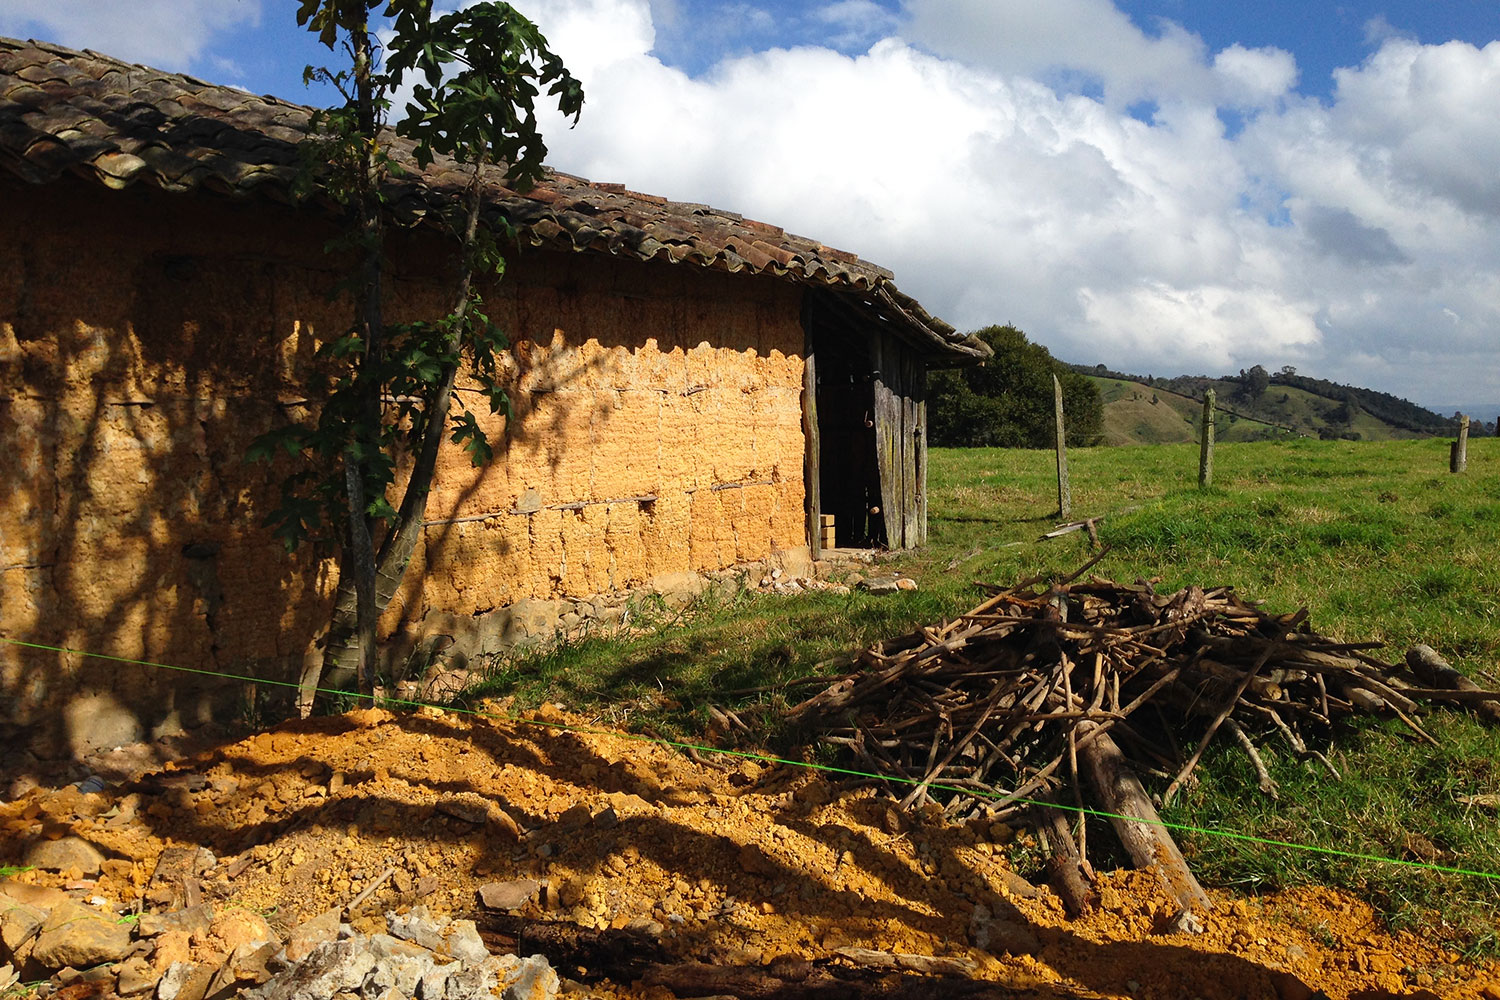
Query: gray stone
[533,617]
[193,920]
[795,561]
[97,974]
[446,683]
[417,925]
[879,585]
[308,935]
[476,983]
[1185,921]
[529,978]
[467,806]
[20,923]
[508,895]
[65,853]
[529,502]
[20,787]
[435,983]
[184,981]
[384,946]
[331,967]
[99,720]
[79,936]
[1003,934]
[247,963]
[400,972]
[678,589]
[463,942]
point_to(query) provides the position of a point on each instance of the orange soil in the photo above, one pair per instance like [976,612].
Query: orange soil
[738,866]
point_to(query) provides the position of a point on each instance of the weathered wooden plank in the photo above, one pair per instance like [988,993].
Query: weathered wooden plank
[920,437]
[887,440]
[909,485]
[811,464]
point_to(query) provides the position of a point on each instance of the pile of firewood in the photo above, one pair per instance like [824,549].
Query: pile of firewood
[1067,691]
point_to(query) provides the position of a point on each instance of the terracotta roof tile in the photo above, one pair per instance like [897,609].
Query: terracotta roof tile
[83,113]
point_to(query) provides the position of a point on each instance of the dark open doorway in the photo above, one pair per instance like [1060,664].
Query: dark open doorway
[842,442]
[865,409]
[848,473]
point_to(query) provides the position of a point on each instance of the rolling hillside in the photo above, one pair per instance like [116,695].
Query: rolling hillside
[1139,413]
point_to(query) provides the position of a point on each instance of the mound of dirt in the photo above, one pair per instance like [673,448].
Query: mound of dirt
[745,865]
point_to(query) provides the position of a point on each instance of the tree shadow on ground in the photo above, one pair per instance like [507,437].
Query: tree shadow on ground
[399,776]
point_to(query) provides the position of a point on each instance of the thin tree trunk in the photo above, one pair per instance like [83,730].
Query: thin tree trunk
[361,561]
[372,327]
[342,652]
[356,610]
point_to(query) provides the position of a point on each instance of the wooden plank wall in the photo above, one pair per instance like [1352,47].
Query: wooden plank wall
[901,439]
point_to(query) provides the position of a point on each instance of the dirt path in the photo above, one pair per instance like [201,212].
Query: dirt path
[750,866]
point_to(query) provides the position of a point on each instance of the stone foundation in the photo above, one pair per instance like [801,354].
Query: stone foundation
[441,659]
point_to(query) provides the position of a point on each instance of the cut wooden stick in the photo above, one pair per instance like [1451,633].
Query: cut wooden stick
[369,890]
[1065,863]
[1187,769]
[1267,785]
[1136,823]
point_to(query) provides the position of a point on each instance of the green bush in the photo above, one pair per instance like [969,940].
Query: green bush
[1008,401]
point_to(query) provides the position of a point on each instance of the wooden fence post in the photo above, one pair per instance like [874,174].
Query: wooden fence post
[1458,452]
[1064,493]
[1206,443]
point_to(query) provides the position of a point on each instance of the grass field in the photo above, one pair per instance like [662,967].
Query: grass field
[1377,540]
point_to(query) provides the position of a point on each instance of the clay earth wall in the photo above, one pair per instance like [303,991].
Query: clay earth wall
[147,338]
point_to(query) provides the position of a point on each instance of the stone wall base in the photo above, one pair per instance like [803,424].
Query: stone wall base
[443,654]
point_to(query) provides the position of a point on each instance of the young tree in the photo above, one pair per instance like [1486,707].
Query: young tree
[387,390]
[1253,384]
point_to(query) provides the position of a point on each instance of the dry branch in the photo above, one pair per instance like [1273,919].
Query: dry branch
[1028,692]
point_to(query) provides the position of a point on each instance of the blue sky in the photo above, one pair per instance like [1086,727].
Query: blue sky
[1163,186]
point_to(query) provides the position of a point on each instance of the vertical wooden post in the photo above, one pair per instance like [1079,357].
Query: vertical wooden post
[1458,453]
[811,473]
[1206,443]
[1064,493]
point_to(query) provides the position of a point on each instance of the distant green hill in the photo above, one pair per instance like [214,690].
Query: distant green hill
[1255,406]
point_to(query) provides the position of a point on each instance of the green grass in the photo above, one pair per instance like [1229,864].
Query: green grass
[1377,540]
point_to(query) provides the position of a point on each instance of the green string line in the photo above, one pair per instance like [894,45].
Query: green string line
[768,759]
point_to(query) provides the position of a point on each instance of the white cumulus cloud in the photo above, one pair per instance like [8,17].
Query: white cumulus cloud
[1057,165]
[167,34]
[985,152]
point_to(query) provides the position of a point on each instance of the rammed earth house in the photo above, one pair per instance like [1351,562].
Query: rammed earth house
[692,389]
